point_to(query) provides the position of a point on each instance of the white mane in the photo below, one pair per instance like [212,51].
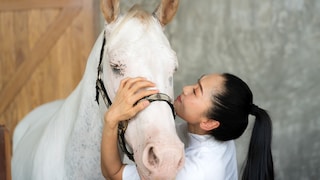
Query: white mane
[46,141]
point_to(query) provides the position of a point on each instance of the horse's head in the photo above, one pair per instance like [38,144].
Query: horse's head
[136,46]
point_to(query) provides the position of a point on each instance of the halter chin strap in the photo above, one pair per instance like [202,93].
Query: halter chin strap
[122,127]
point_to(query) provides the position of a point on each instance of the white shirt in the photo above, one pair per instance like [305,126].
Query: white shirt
[205,159]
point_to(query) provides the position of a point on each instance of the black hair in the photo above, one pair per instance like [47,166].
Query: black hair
[231,107]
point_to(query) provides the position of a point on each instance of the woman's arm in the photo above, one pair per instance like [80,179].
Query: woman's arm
[129,92]
[111,164]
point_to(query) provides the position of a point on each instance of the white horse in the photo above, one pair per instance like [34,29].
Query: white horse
[61,139]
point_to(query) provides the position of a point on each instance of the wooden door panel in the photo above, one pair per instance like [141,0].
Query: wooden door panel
[43,52]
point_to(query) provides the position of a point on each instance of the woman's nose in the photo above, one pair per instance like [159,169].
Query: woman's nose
[187,90]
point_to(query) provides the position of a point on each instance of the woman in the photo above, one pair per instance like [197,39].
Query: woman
[216,111]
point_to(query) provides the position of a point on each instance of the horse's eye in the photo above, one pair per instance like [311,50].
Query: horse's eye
[117,68]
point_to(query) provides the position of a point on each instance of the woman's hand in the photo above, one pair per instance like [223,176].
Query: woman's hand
[130,91]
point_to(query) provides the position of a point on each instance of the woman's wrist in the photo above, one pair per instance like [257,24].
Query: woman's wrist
[110,121]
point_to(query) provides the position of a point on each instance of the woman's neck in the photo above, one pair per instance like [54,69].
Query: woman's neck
[195,129]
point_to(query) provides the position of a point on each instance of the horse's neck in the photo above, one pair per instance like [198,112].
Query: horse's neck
[85,137]
[83,97]
[88,113]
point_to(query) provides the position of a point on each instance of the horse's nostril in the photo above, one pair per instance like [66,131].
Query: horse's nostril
[163,159]
[152,157]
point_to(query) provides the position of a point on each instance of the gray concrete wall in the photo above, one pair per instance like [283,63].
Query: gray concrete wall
[274,45]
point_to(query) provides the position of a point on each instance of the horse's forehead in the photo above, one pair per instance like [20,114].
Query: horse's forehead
[141,42]
[135,40]
[136,26]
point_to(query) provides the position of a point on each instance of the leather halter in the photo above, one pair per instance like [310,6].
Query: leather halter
[122,127]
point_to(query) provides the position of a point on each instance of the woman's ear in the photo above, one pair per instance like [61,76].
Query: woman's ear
[209,124]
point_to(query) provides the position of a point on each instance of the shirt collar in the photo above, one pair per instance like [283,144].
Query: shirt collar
[199,140]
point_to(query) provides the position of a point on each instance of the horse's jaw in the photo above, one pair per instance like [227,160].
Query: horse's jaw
[158,151]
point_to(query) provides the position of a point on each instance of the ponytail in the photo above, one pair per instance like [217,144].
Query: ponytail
[231,107]
[259,163]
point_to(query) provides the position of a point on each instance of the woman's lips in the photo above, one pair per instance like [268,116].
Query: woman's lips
[178,99]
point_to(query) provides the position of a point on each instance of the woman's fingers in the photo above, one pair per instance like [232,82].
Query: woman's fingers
[130,91]
[143,93]
[134,89]
[127,83]
[135,84]
[138,85]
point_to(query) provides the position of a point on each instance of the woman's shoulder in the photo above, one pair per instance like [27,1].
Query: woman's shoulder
[210,157]
[130,172]
[200,164]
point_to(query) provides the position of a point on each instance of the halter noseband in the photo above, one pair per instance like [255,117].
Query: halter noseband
[122,127]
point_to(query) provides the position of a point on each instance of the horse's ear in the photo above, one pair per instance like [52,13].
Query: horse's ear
[110,9]
[166,11]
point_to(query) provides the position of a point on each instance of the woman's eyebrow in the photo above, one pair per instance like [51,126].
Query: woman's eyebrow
[199,83]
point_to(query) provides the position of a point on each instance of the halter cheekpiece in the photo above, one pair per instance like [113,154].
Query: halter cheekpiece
[100,89]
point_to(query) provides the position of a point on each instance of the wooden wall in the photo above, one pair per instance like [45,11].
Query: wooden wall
[44,45]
